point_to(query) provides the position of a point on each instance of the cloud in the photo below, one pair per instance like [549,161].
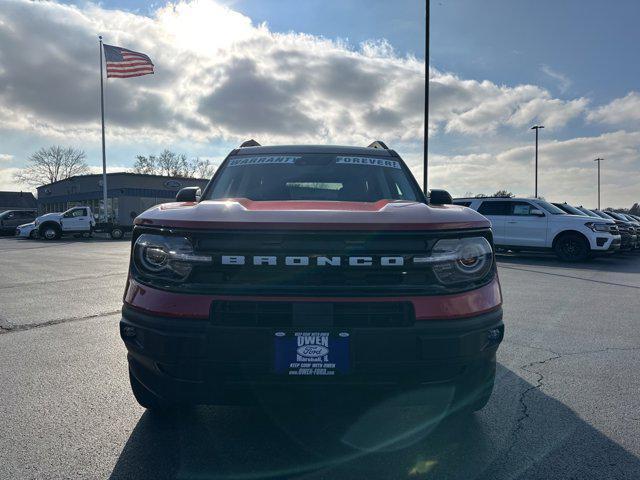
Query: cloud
[620,111]
[221,79]
[8,184]
[232,105]
[110,169]
[473,107]
[562,80]
[566,170]
[5,157]
[219,76]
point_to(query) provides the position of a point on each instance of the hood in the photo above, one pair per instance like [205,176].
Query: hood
[241,213]
[48,216]
[581,218]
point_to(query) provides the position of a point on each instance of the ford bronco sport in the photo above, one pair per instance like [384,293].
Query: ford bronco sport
[306,269]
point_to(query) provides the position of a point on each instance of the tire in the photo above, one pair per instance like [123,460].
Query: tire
[485,390]
[117,233]
[572,247]
[475,390]
[50,232]
[146,398]
[33,234]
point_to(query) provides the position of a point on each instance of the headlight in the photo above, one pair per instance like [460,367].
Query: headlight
[456,260]
[597,227]
[170,258]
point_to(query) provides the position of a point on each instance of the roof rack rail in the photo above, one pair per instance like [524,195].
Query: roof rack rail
[378,144]
[250,143]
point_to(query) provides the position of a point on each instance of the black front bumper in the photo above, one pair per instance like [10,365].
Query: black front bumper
[189,360]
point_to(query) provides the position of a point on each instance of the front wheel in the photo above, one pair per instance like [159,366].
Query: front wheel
[474,392]
[117,233]
[33,234]
[145,397]
[571,247]
[50,232]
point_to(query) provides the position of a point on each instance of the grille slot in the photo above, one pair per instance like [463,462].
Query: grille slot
[304,243]
[281,314]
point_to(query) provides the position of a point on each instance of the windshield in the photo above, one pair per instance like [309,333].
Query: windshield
[589,212]
[614,215]
[572,210]
[552,209]
[603,215]
[314,177]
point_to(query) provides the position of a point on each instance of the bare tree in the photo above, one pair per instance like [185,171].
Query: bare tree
[146,165]
[51,164]
[204,168]
[173,165]
[504,194]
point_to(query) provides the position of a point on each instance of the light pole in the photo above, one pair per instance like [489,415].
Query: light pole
[536,128]
[598,160]
[425,166]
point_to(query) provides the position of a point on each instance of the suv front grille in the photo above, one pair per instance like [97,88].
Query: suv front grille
[314,280]
[332,315]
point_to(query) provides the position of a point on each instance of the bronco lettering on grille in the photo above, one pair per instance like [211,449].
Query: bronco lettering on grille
[320,261]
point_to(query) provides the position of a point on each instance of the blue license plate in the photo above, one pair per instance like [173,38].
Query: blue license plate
[311,353]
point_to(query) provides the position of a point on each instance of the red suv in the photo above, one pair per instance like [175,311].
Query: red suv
[310,270]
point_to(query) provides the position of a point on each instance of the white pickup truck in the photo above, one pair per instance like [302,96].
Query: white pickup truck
[76,220]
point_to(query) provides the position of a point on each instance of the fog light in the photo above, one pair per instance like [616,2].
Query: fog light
[494,335]
[128,332]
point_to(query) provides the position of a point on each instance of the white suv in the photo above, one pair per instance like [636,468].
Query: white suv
[533,224]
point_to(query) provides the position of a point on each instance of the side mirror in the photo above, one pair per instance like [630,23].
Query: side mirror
[188,194]
[535,212]
[440,197]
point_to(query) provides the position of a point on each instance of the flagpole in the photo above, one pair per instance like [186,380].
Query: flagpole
[104,155]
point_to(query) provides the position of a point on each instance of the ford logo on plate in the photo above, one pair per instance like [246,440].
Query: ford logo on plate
[312,351]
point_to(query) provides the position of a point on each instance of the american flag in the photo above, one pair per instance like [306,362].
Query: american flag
[124,63]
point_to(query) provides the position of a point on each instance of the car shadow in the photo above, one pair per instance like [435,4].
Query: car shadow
[79,239]
[623,262]
[521,433]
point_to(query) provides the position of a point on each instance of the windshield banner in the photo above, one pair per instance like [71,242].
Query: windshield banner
[376,162]
[238,162]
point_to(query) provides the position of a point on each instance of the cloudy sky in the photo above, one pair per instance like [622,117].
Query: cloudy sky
[340,72]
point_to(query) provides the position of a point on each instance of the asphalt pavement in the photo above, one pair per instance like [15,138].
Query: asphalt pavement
[566,403]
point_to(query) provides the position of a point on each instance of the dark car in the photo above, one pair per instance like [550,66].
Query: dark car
[632,221]
[311,272]
[11,219]
[625,227]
